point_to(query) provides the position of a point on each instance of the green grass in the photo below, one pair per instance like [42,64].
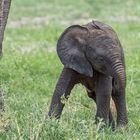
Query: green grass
[30,68]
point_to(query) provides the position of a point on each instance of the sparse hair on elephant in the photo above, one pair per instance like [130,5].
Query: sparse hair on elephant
[92,55]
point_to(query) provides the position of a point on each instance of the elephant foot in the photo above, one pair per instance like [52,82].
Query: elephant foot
[108,123]
[112,125]
[122,124]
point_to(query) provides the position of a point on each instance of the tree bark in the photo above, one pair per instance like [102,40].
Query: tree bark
[4,12]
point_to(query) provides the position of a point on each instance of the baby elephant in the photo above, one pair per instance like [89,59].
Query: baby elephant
[92,55]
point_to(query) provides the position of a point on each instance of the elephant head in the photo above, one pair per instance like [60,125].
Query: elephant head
[85,49]
[4,11]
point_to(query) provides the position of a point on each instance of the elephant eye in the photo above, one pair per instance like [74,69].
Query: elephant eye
[104,70]
[101,59]
[90,48]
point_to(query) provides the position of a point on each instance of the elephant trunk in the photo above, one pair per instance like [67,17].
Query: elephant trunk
[4,11]
[119,73]
[119,94]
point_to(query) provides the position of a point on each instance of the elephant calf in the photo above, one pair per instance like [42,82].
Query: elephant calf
[92,55]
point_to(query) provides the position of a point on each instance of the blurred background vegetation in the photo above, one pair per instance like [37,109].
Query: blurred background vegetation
[30,68]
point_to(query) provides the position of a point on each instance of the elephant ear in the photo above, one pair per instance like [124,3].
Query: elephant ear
[71,47]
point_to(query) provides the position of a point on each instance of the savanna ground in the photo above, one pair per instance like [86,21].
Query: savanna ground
[30,68]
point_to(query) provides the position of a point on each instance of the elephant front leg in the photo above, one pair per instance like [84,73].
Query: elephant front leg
[92,95]
[120,103]
[103,96]
[63,88]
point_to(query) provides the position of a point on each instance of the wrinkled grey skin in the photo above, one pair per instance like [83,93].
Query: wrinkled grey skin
[4,11]
[92,55]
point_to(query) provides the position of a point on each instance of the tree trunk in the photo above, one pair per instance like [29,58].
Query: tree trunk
[4,11]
